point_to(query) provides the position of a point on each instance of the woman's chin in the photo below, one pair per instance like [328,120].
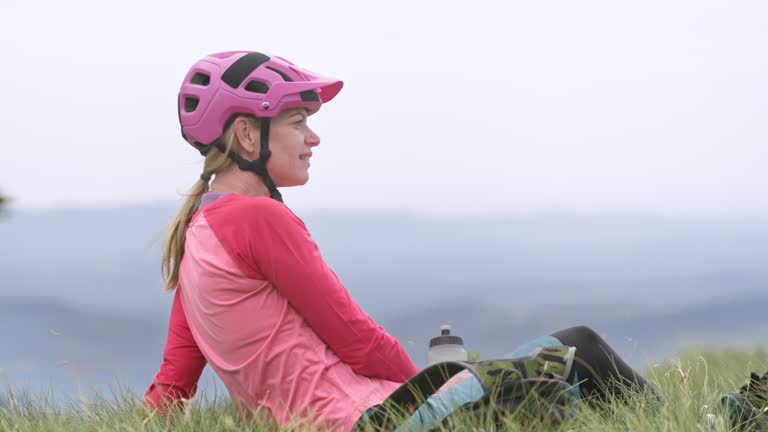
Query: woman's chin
[296,181]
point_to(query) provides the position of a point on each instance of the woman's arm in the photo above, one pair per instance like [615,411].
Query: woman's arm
[268,241]
[182,363]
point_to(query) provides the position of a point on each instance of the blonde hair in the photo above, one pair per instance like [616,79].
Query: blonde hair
[215,162]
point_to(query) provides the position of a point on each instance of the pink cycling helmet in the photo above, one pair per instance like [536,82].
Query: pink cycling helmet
[245,82]
[223,85]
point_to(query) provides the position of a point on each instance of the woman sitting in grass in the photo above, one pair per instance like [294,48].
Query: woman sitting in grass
[254,297]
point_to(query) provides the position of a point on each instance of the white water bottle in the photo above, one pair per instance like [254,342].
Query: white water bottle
[446,347]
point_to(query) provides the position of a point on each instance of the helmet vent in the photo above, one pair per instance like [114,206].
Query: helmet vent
[281,73]
[257,87]
[309,96]
[190,104]
[200,79]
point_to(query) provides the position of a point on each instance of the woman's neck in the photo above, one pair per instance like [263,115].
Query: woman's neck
[241,182]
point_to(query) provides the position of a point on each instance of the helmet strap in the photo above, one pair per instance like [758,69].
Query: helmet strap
[258,166]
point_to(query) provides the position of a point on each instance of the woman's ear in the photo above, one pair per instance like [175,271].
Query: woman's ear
[247,135]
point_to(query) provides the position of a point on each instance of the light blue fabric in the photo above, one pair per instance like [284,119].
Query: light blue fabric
[437,407]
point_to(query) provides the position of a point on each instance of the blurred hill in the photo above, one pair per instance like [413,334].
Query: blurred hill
[81,298]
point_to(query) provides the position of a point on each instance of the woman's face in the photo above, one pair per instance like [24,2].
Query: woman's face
[291,142]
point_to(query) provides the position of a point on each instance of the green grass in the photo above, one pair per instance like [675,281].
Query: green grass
[690,385]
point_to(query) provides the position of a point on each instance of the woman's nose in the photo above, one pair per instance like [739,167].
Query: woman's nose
[312,139]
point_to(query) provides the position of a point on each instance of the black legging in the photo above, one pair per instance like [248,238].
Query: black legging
[601,372]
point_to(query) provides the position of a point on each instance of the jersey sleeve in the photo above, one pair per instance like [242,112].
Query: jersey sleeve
[268,241]
[182,365]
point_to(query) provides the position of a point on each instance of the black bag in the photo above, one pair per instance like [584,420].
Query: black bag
[532,389]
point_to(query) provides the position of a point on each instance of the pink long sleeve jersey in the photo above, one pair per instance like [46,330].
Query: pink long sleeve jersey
[275,323]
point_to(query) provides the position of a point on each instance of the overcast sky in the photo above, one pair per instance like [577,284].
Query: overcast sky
[448,106]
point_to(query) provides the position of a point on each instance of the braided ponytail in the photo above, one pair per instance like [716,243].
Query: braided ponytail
[173,250]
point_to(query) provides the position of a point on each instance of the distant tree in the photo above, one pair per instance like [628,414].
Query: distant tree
[3,203]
